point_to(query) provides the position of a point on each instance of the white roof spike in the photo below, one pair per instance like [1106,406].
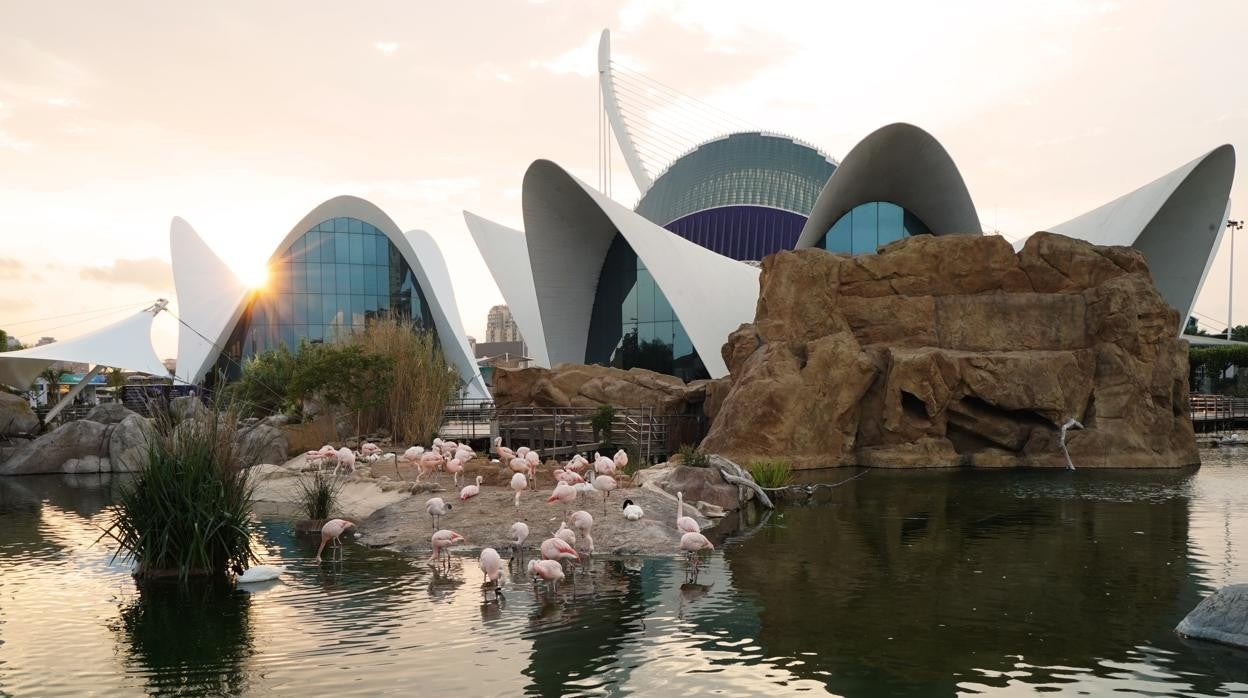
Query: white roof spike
[124,344]
[210,299]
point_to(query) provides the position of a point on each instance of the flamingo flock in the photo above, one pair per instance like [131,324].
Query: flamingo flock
[568,545]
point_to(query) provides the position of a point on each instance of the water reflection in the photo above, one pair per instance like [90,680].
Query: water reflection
[923,581]
[188,638]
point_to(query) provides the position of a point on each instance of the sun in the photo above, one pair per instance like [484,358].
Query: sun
[254,274]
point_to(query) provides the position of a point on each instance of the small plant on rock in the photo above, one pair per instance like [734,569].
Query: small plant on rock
[692,457]
[771,474]
[601,423]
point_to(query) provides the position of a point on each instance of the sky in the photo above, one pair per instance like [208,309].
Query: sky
[241,117]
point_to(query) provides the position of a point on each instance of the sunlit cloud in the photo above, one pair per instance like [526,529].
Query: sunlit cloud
[386,47]
[11,268]
[63,102]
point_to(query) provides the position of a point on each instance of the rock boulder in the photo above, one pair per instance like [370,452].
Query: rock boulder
[1220,617]
[16,417]
[49,453]
[109,413]
[261,444]
[955,350]
[581,385]
[128,442]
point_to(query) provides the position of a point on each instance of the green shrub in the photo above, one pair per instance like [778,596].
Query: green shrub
[602,423]
[189,510]
[411,402]
[263,388]
[771,474]
[692,457]
[319,496]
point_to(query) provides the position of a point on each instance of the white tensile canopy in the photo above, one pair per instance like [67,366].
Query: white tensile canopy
[125,344]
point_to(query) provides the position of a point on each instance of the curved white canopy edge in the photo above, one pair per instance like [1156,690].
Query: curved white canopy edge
[126,344]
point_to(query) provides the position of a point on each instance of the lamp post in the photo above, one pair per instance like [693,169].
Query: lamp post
[1230,292]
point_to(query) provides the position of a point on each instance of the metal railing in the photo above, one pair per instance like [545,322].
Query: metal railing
[1217,411]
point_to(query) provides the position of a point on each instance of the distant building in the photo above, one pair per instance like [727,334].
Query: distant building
[500,326]
[45,340]
[12,342]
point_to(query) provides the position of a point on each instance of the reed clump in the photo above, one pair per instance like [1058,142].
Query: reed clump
[412,404]
[318,496]
[771,474]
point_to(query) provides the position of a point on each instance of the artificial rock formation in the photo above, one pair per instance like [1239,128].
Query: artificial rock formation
[955,350]
[16,417]
[581,385]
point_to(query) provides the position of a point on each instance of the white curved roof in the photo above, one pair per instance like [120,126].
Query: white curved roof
[1176,220]
[902,164]
[125,344]
[506,253]
[210,300]
[215,313]
[569,228]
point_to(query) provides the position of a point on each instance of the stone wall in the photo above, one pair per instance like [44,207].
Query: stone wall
[955,350]
[581,385]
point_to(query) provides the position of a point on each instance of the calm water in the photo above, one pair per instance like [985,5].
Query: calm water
[923,583]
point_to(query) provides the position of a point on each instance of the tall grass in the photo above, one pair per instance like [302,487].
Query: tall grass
[319,496]
[692,457]
[423,382]
[771,474]
[188,512]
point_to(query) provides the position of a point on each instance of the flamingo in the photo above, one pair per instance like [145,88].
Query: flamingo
[566,534]
[345,457]
[455,467]
[437,508]
[582,521]
[465,453]
[577,464]
[491,565]
[519,484]
[564,493]
[333,530]
[429,462]
[685,524]
[369,449]
[603,465]
[519,531]
[522,452]
[604,484]
[547,570]
[558,549]
[567,476]
[632,512]
[470,491]
[692,544]
[620,459]
[257,573]
[442,540]
[504,454]
[518,465]
[448,448]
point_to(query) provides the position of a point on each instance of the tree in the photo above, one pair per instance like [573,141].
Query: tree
[342,374]
[1239,333]
[116,380]
[52,377]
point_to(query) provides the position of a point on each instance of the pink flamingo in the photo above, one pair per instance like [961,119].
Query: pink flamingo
[437,508]
[504,454]
[582,521]
[547,570]
[577,464]
[429,463]
[518,465]
[519,484]
[620,459]
[413,454]
[566,534]
[455,466]
[470,491]
[563,493]
[519,531]
[491,565]
[369,449]
[345,458]
[332,531]
[603,465]
[604,484]
[558,549]
[692,544]
[442,541]
[685,524]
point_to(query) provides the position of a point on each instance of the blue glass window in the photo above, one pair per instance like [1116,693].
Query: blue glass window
[867,227]
[633,325]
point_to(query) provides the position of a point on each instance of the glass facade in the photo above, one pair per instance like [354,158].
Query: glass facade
[867,227]
[332,280]
[633,325]
[744,196]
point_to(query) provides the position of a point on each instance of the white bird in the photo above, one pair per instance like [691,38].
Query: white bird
[566,534]
[437,508]
[257,573]
[519,484]
[632,512]
[491,565]
[685,524]
[470,491]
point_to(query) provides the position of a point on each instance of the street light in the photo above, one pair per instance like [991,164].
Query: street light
[1230,292]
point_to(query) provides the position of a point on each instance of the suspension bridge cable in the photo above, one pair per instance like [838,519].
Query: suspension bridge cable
[80,312]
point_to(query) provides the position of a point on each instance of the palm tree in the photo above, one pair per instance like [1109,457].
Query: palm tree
[52,376]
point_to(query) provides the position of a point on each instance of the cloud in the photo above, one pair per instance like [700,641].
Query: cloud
[11,268]
[386,47]
[149,272]
[63,102]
